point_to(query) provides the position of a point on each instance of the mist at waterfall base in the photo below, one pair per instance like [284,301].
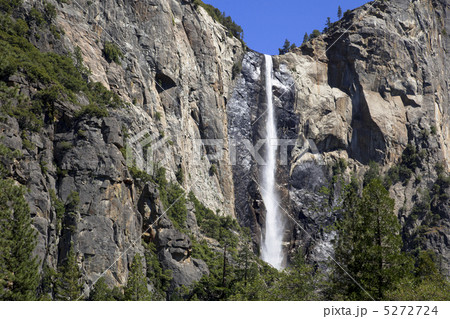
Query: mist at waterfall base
[271,250]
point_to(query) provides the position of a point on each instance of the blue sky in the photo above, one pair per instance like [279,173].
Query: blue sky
[267,23]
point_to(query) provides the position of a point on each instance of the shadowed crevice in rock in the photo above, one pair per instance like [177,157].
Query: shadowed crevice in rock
[164,82]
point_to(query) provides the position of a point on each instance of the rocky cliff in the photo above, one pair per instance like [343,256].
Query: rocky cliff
[187,94]
[173,70]
[373,88]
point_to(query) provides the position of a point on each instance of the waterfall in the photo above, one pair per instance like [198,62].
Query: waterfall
[272,239]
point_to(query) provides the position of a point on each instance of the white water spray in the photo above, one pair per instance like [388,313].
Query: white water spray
[272,240]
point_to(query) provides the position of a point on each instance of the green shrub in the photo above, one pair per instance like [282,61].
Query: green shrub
[20,107]
[213,170]
[433,130]
[21,27]
[173,199]
[372,173]
[82,134]
[442,184]
[9,5]
[72,201]
[50,12]
[61,172]
[398,173]
[405,169]
[28,144]
[237,68]
[102,97]
[180,175]
[410,157]
[233,29]
[439,168]
[315,34]
[138,174]
[424,134]
[340,166]
[59,208]
[159,277]
[62,77]
[44,168]
[404,173]
[92,110]
[175,204]
[160,178]
[65,145]
[214,226]
[112,52]
[6,155]
[37,16]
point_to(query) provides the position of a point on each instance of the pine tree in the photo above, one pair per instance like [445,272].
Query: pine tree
[369,245]
[316,33]
[243,257]
[344,246]
[158,277]
[427,284]
[339,13]
[328,24]
[5,249]
[48,281]
[136,288]
[384,263]
[19,276]
[297,282]
[101,292]
[285,48]
[68,286]
[305,37]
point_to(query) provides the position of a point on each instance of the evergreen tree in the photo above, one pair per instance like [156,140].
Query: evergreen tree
[327,24]
[68,286]
[259,286]
[427,284]
[339,13]
[19,276]
[384,263]
[369,245]
[372,173]
[159,278]
[243,257]
[344,246]
[286,47]
[136,288]
[316,33]
[101,292]
[305,37]
[6,275]
[297,282]
[48,280]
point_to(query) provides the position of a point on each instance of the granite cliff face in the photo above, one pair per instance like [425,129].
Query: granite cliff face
[174,77]
[372,88]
